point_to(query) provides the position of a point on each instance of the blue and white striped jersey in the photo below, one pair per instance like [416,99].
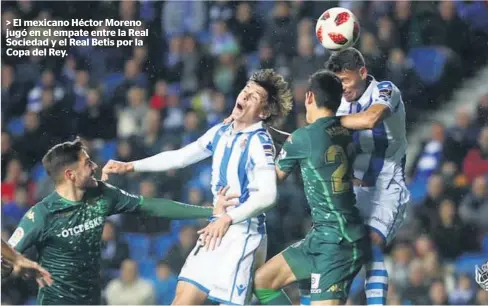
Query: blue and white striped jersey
[380,151]
[235,158]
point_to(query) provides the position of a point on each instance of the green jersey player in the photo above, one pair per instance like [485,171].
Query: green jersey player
[66,226]
[337,246]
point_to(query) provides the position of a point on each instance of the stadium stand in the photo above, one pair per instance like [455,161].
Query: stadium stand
[133,102]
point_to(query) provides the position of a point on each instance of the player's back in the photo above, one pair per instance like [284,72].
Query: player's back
[380,151]
[327,176]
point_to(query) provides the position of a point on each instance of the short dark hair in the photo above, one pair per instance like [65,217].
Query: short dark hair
[61,156]
[326,88]
[280,98]
[348,59]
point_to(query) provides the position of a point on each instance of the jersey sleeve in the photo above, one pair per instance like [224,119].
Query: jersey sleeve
[387,94]
[209,140]
[120,201]
[296,148]
[261,151]
[30,229]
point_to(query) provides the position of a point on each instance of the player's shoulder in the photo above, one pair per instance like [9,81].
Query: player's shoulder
[385,86]
[42,208]
[300,135]
[219,127]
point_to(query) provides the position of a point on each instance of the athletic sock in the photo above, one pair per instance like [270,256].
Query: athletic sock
[376,283]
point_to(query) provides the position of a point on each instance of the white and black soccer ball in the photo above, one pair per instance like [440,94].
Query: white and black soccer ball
[337,29]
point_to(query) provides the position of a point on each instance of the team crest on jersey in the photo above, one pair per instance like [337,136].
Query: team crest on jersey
[16,237]
[30,215]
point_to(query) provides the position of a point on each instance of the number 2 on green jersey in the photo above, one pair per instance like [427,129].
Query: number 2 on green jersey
[336,154]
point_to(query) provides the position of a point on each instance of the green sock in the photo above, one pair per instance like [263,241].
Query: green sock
[272,297]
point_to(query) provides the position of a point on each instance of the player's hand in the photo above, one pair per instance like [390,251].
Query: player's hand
[211,235]
[116,167]
[228,120]
[27,268]
[225,200]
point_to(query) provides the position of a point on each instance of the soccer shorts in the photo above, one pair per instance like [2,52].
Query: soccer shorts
[331,266]
[226,273]
[383,208]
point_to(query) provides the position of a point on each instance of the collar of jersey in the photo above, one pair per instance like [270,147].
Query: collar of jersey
[365,97]
[61,202]
[249,129]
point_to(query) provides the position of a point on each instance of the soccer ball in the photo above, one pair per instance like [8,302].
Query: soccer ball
[337,29]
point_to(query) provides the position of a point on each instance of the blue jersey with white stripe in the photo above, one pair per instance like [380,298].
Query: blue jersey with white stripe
[235,158]
[380,151]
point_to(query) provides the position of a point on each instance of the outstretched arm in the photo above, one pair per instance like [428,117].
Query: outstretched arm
[176,159]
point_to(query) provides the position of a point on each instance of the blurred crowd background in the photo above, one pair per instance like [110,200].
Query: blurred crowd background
[133,102]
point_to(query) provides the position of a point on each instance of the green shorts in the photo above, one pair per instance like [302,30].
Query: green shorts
[330,265]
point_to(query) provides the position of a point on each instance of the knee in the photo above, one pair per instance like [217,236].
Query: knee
[377,239]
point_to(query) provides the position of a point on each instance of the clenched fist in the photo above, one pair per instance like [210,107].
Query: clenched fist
[116,167]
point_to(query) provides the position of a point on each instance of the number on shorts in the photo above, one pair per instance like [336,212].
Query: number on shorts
[336,154]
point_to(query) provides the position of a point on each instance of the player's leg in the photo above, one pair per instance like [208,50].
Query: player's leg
[285,268]
[189,294]
[270,278]
[383,210]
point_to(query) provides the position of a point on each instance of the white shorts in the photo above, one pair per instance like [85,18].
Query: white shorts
[383,208]
[225,274]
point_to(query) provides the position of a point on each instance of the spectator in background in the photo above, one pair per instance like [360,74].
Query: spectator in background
[387,35]
[98,120]
[129,288]
[132,78]
[7,152]
[165,283]
[223,42]
[474,207]
[427,210]
[114,251]
[178,17]
[281,32]
[431,154]
[151,142]
[178,253]
[460,137]
[195,67]
[15,178]
[13,94]
[448,232]
[32,145]
[476,161]
[80,89]
[158,100]
[246,28]
[221,10]
[401,257]
[437,293]
[217,112]
[131,118]
[173,60]
[48,82]
[417,291]
[463,293]
[14,210]
[229,76]
[306,62]
[173,119]
[372,55]
[191,128]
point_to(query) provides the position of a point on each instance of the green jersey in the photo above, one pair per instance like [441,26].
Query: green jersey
[324,150]
[67,236]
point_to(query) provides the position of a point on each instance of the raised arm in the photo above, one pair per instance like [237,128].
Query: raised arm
[175,159]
